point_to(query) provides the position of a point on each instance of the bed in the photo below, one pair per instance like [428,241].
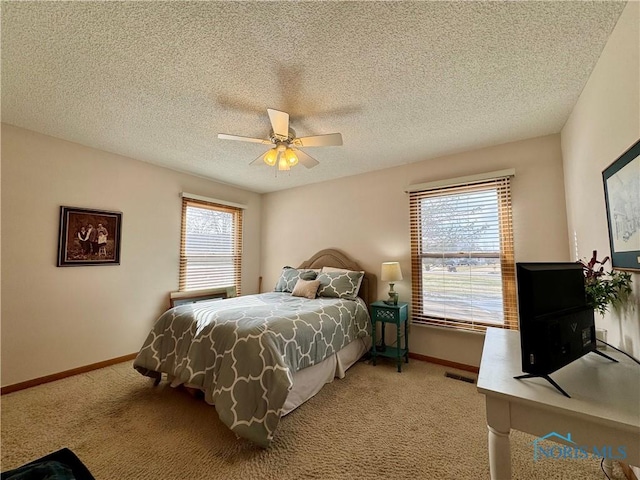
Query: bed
[258,357]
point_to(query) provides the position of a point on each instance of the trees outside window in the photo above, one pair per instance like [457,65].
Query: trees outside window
[211,246]
[462,256]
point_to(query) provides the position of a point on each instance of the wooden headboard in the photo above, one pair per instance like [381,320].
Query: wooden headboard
[331,257]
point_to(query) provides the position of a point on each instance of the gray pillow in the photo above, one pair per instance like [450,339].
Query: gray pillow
[289,277]
[340,284]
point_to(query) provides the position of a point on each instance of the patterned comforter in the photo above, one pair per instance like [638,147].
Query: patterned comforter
[241,352]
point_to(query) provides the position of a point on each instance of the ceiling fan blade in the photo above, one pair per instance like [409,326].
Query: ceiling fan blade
[260,159]
[305,159]
[225,136]
[328,140]
[279,123]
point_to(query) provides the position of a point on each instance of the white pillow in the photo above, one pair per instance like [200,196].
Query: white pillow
[334,269]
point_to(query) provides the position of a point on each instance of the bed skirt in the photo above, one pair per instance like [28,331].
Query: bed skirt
[309,381]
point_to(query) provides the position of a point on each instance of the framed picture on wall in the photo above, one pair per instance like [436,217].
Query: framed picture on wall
[89,237]
[622,198]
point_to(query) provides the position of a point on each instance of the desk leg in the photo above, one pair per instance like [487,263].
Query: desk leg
[499,423]
[499,455]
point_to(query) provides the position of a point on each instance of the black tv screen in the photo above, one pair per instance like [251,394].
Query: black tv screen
[556,323]
[545,288]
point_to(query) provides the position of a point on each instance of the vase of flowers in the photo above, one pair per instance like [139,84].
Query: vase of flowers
[604,288]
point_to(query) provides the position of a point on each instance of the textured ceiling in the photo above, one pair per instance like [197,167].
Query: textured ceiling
[402,81]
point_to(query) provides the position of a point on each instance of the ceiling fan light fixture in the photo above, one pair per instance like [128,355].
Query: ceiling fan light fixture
[282,138]
[291,157]
[283,164]
[270,157]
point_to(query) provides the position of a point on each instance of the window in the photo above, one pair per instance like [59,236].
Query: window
[462,258]
[210,245]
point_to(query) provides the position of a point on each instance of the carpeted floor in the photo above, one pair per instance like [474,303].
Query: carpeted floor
[374,423]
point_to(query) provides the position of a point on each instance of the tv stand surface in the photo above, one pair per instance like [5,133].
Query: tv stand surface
[550,380]
[603,411]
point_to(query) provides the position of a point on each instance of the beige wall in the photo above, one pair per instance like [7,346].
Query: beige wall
[56,319]
[604,123]
[97,313]
[367,216]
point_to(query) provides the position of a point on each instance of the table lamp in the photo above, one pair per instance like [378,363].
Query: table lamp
[391,273]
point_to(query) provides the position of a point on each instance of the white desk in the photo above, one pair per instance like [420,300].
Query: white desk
[604,408]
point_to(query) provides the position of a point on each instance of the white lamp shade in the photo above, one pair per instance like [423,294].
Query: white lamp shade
[391,272]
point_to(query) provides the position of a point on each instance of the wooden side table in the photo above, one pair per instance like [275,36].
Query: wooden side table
[396,314]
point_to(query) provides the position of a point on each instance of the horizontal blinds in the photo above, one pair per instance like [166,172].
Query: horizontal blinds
[467,180]
[463,273]
[210,245]
[214,201]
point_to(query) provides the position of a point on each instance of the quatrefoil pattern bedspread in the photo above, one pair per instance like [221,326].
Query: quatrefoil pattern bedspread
[241,352]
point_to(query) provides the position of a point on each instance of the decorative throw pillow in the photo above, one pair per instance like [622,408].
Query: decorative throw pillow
[340,284]
[306,288]
[335,269]
[290,276]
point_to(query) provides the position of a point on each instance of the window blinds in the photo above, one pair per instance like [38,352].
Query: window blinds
[462,259]
[210,245]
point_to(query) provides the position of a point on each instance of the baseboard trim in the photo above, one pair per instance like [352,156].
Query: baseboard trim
[446,363]
[95,366]
[67,373]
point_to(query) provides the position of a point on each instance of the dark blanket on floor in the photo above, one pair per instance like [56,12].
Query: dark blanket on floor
[60,465]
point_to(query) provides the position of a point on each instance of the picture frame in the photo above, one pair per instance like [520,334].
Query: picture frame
[622,198]
[89,237]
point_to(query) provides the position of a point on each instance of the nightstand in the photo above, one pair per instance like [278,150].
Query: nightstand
[397,314]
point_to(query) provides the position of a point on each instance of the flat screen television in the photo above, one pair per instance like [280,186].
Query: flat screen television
[556,323]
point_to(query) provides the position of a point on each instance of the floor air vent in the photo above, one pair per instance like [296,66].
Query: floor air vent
[459,377]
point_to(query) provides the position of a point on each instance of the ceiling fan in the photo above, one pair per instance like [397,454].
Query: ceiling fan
[284,152]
